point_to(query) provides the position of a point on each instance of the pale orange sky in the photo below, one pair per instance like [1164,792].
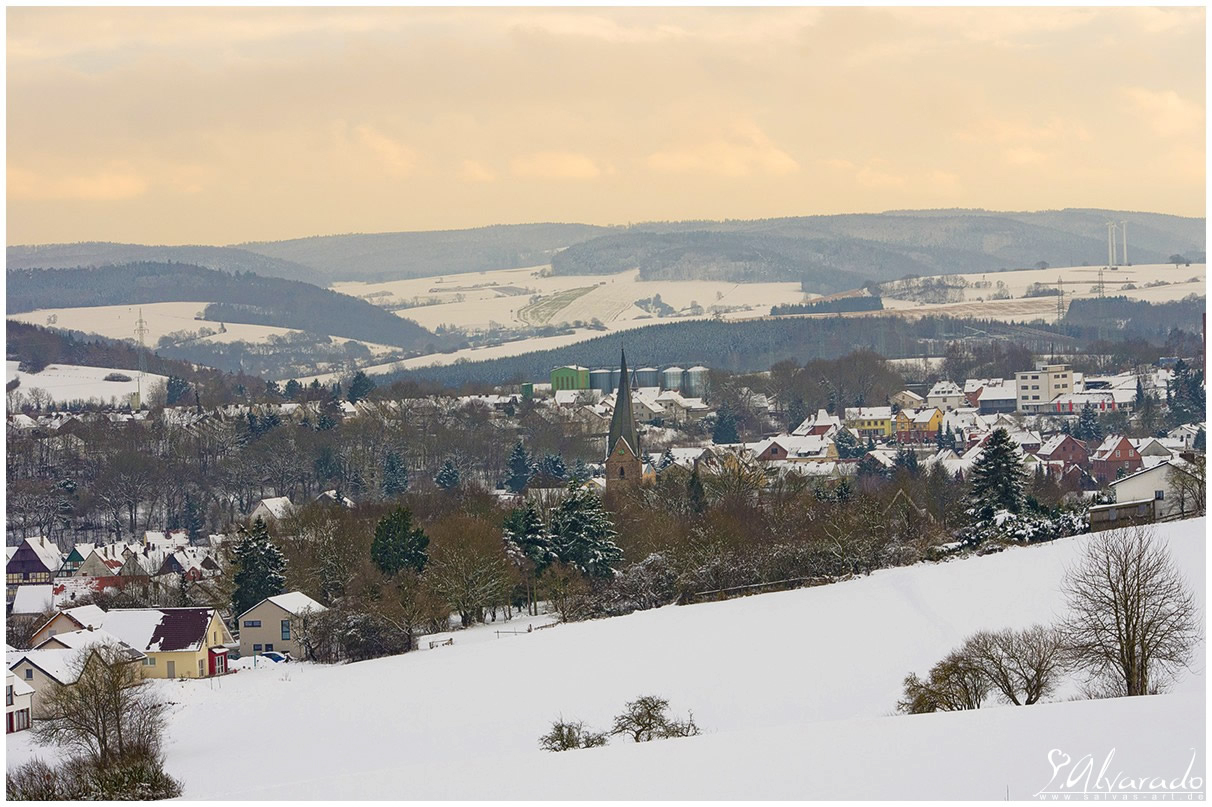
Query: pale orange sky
[224,125]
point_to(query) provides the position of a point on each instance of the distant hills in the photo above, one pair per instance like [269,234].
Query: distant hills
[235,297]
[825,253]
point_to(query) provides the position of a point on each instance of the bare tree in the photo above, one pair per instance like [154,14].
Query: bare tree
[1133,620]
[646,718]
[955,684]
[1023,666]
[567,735]
[1190,483]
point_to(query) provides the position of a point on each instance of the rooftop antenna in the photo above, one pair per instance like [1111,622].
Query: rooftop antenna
[140,332]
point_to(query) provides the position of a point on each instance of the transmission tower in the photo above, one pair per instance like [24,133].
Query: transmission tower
[1060,301]
[140,334]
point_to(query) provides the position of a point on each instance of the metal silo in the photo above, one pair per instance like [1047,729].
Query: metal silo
[671,378]
[696,381]
[600,380]
[615,374]
[648,377]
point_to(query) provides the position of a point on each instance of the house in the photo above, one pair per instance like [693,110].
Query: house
[992,395]
[178,642]
[1186,433]
[792,448]
[194,563]
[906,400]
[334,497]
[57,661]
[1030,442]
[36,560]
[870,421]
[1065,448]
[74,558]
[105,561]
[1115,457]
[66,620]
[918,425]
[272,624]
[18,703]
[272,509]
[38,598]
[946,395]
[820,424]
[1176,491]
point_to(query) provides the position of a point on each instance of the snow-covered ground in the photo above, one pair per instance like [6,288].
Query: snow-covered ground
[71,382]
[795,692]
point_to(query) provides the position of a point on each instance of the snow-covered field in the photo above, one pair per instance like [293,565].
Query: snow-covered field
[72,382]
[499,296]
[795,692]
[118,322]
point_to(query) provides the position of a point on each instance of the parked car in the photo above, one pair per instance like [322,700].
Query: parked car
[274,656]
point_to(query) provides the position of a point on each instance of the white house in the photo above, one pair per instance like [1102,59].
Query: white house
[1174,490]
[272,624]
[272,509]
[946,395]
[18,702]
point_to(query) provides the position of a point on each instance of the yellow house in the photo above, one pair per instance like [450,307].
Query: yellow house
[57,660]
[918,426]
[82,617]
[178,642]
[870,421]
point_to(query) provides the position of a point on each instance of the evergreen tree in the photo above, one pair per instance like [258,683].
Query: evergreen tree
[870,443]
[869,467]
[580,471]
[526,537]
[1188,402]
[175,389]
[725,427]
[906,459]
[259,568]
[194,520]
[360,387]
[797,413]
[582,534]
[293,388]
[1088,427]
[847,445]
[1201,441]
[520,468]
[395,475]
[448,477]
[998,477]
[666,460]
[398,544]
[843,492]
[552,468]
[695,493]
[940,440]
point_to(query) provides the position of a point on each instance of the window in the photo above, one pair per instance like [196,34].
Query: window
[1160,495]
[149,661]
[285,630]
[268,648]
[201,668]
[256,648]
[29,673]
[252,623]
[21,720]
[8,696]
[1117,453]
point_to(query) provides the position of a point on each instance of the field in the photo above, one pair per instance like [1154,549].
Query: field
[118,322]
[794,691]
[69,382]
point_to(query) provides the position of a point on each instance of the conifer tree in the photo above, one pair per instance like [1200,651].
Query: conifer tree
[395,475]
[520,468]
[1088,427]
[526,537]
[695,492]
[448,477]
[398,544]
[194,519]
[582,534]
[552,468]
[997,477]
[259,568]
[666,460]
[360,387]
[580,471]
[725,427]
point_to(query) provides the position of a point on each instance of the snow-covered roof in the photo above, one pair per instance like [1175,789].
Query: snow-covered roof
[47,551]
[154,630]
[296,602]
[944,389]
[278,506]
[19,686]
[81,639]
[1052,444]
[87,616]
[869,413]
[37,598]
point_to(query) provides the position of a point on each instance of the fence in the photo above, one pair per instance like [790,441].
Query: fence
[755,588]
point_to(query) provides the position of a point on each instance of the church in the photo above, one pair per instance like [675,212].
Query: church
[623,459]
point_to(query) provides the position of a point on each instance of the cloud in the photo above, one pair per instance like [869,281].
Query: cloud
[873,175]
[104,186]
[1166,111]
[747,151]
[399,159]
[472,171]
[1002,131]
[555,165]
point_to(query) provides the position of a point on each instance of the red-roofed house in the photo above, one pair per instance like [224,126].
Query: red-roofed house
[1116,454]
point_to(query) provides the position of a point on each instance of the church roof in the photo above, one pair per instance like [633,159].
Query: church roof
[622,421]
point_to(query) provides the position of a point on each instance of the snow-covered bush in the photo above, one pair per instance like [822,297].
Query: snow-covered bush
[1027,527]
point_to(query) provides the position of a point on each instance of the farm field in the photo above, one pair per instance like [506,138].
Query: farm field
[118,322]
[71,382]
[478,300]
[795,693]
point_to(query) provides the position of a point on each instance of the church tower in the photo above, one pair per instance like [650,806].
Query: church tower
[623,463]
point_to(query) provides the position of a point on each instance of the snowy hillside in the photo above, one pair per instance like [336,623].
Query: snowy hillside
[72,382]
[795,693]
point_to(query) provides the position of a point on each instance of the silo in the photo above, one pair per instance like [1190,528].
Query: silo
[696,381]
[600,380]
[671,378]
[615,374]
[648,377]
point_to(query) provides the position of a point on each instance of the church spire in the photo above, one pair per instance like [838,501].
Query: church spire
[622,421]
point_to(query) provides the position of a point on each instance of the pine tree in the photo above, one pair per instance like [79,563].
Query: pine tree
[940,440]
[360,387]
[725,427]
[293,388]
[398,544]
[906,459]
[582,534]
[526,537]
[395,475]
[870,442]
[1201,441]
[448,477]
[695,493]
[666,460]
[552,468]
[259,568]
[580,471]
[520,468]
[194,520]
[998,477]
[1088,427]
[847,445]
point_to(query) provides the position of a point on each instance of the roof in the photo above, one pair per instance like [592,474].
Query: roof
[869,413]
[1171,463]
[622,420]
[20,687]
[47,551]
[158,630]
[293,602]
[1053,443]
[86,616]
[34,599]
[944,388]
[81,639]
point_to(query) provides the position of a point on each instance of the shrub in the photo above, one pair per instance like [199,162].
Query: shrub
[117,377]
[646,718]
[136,777]
[565,736]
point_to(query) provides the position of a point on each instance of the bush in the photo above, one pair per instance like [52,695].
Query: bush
[117,377]
[138,777]
[565,736]
[646,718]
[956,683]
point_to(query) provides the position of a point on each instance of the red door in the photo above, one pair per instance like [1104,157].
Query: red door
[218,661]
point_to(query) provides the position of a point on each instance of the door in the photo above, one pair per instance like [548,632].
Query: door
[172,669]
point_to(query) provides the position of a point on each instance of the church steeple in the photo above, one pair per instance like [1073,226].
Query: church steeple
[623,462]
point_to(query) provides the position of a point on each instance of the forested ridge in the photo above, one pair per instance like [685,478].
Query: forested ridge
[239,297]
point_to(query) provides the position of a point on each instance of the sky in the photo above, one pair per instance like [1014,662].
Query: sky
[226,125]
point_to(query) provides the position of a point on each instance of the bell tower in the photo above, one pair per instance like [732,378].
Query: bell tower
[623,463]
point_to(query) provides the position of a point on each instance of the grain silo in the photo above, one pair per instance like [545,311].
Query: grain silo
[648,377]
[696,381]
[671,378]
[600,380]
